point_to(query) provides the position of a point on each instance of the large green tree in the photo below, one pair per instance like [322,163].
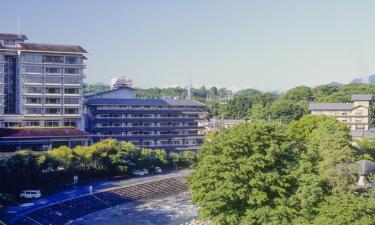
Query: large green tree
[243,173]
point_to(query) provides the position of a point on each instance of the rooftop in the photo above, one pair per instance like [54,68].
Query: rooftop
[12,36]
[6,133]
[331,106]
[52,48]
[142,102]
[361,97]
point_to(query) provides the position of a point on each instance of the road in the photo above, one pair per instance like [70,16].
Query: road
[12,213]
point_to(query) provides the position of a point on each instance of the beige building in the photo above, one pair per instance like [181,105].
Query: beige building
[356,114]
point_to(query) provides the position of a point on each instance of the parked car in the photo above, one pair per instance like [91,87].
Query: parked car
[158,170]
[30,194]
[145,171]
[138,172]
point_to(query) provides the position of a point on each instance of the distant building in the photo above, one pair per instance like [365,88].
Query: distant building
[151,123]
[356,114]
[117,82]
[218,124]
[40,84]
[40,139]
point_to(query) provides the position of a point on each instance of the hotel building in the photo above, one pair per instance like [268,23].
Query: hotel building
[40,84]
[357,115]
[166,124]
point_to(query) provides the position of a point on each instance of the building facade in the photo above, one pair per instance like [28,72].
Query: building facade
[40,84]
[150,123]
[356,114]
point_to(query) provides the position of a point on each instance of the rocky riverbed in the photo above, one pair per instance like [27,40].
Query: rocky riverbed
[170,210]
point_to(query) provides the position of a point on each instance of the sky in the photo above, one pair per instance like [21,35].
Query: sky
[264,44]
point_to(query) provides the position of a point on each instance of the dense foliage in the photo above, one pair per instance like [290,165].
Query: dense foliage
[107,158]
[269,173]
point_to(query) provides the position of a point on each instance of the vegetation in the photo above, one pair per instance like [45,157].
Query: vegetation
[107,158]
[264,172]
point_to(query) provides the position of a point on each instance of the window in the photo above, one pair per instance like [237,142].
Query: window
[33,100]
[32,58]
[72,80]
[71,111]
[53,59]
[52,90]
[71,91]
[10,42]
[34,90]
[52,100]
[72,71]
[32,69]
[70,123]
[71,100]
[52,80]
[52,111]
[53,70]
[33,79]
[73,60]
[33,111]
[51,123]
[32,123]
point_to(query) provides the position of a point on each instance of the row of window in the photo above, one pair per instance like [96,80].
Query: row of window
[50,70]
[36,58]
[52,100]
[52,111]
[52,80]
[104,107]
[49,123]
[52,90]
[115,116]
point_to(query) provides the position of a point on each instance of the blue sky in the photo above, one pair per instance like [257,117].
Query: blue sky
[268,45]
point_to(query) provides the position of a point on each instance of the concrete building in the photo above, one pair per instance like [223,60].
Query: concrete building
[356,114]
[40,84]
[151,123]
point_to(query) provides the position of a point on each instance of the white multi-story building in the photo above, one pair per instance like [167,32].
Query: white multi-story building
[40,84]
[357,114]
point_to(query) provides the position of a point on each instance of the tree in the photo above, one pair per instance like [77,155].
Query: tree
[247,92]
[297,94]
[238,107]
[346,209]
[259,112]
[242,172]
[287,111]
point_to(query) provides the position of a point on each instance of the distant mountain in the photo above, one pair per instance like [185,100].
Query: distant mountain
[367,80]
[336,84]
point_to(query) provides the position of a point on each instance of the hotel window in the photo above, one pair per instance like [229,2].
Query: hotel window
[52,100]
[52,111]
[52,59]
[32,123]
[34,90]
[51,123]
[70,123]
[72,80]
[33,100]
[32,58]
[71,71]
[32,69]
[71,91]
[72,60]
[33,111]
[52,80]
[53,70]
[33,79]
[71,100]
[71,111]
[10,42]
[52,90]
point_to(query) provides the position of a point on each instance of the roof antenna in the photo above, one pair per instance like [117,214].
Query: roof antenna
[18,23]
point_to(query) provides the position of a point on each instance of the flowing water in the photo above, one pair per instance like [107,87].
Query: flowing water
[170,210]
